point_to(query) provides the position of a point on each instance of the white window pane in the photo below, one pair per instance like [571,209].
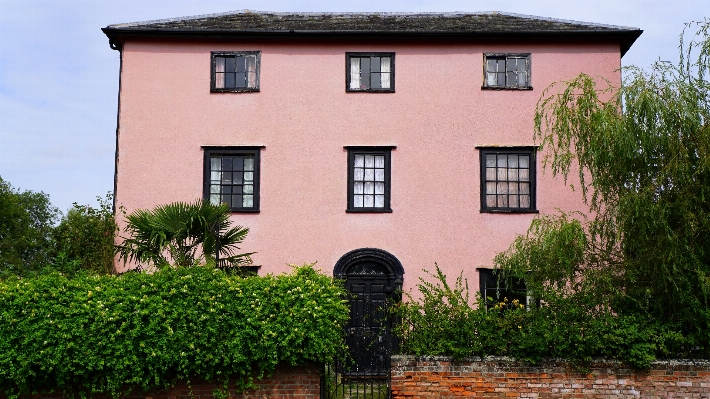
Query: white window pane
[524,188]
[248,163]
[512,174]
[379,161]
[359,174]
[502,188]
[524,161]
[502,161]
[359,160]
[513,188]
[385,64]
[379,175]
[214,199]
[214,189]
[490,161]
[513,161]
[525,201]
[369,188]
[216,163]
[502,174]
[369,201]
[490,188]
[248,201]
[491,65]
[513,201]
[369,175]
[490,200]
[251,71]
[248,189]
[524,175]
[357,201]
[385,69]
[379,201]
[492,79]
[369,161]
[219,72]
[358,188]
[503,201]
[354,73]
[490,173]
[215,176]
[379,188]
[522,79]
[219,64]
[248,176]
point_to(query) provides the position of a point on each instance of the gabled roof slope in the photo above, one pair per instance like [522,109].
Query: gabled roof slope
[259,23]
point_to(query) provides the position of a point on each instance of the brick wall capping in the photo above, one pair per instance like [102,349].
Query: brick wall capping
[673,364]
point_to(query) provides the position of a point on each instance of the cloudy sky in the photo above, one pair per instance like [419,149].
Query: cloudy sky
[59,78]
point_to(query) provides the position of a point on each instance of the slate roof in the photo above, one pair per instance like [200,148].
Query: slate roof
[260,23]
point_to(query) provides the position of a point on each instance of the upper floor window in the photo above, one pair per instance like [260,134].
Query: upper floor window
[235,71]
[232,177]
[508,179]
[369,72]
[507,71]
[369,179]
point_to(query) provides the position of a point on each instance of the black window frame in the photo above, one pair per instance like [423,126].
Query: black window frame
[524,150]
[506,56]
[213,71]
[350,55]
[255,152]
[377,150]
[490,279]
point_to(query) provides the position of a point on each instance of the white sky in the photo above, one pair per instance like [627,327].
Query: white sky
[59,78]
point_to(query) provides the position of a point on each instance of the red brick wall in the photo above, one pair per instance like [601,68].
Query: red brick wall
[287,382]
[435,377]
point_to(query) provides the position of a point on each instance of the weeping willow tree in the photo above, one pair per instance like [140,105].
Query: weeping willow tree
[642,155]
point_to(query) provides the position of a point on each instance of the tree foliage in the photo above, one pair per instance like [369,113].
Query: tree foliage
[84,239]
[26,222]
[642,155]
[183,234]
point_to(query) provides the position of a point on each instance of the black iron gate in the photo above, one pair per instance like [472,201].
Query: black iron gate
[373,285]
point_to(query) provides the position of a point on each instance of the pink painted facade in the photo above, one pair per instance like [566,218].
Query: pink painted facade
[304,118]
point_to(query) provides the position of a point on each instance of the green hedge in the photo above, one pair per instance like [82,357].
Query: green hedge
[109,334]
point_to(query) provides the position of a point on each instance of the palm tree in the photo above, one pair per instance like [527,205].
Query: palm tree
[175,233]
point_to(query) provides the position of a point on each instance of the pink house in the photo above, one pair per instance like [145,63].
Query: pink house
[374,143]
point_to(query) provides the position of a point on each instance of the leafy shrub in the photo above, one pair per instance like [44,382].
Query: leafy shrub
[443,322]
[109,334]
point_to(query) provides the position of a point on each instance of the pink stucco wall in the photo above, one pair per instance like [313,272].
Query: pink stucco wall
[304,118]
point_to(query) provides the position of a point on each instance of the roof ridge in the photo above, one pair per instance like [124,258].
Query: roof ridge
[366,13]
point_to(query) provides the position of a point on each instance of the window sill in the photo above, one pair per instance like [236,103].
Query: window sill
[515,88]
[368,210]
[509,211]
[244,210]
[234,90]
[369,91]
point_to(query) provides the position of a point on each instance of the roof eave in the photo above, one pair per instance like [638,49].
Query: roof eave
[625,38]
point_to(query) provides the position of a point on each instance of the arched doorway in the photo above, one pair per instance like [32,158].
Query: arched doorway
[373,279]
